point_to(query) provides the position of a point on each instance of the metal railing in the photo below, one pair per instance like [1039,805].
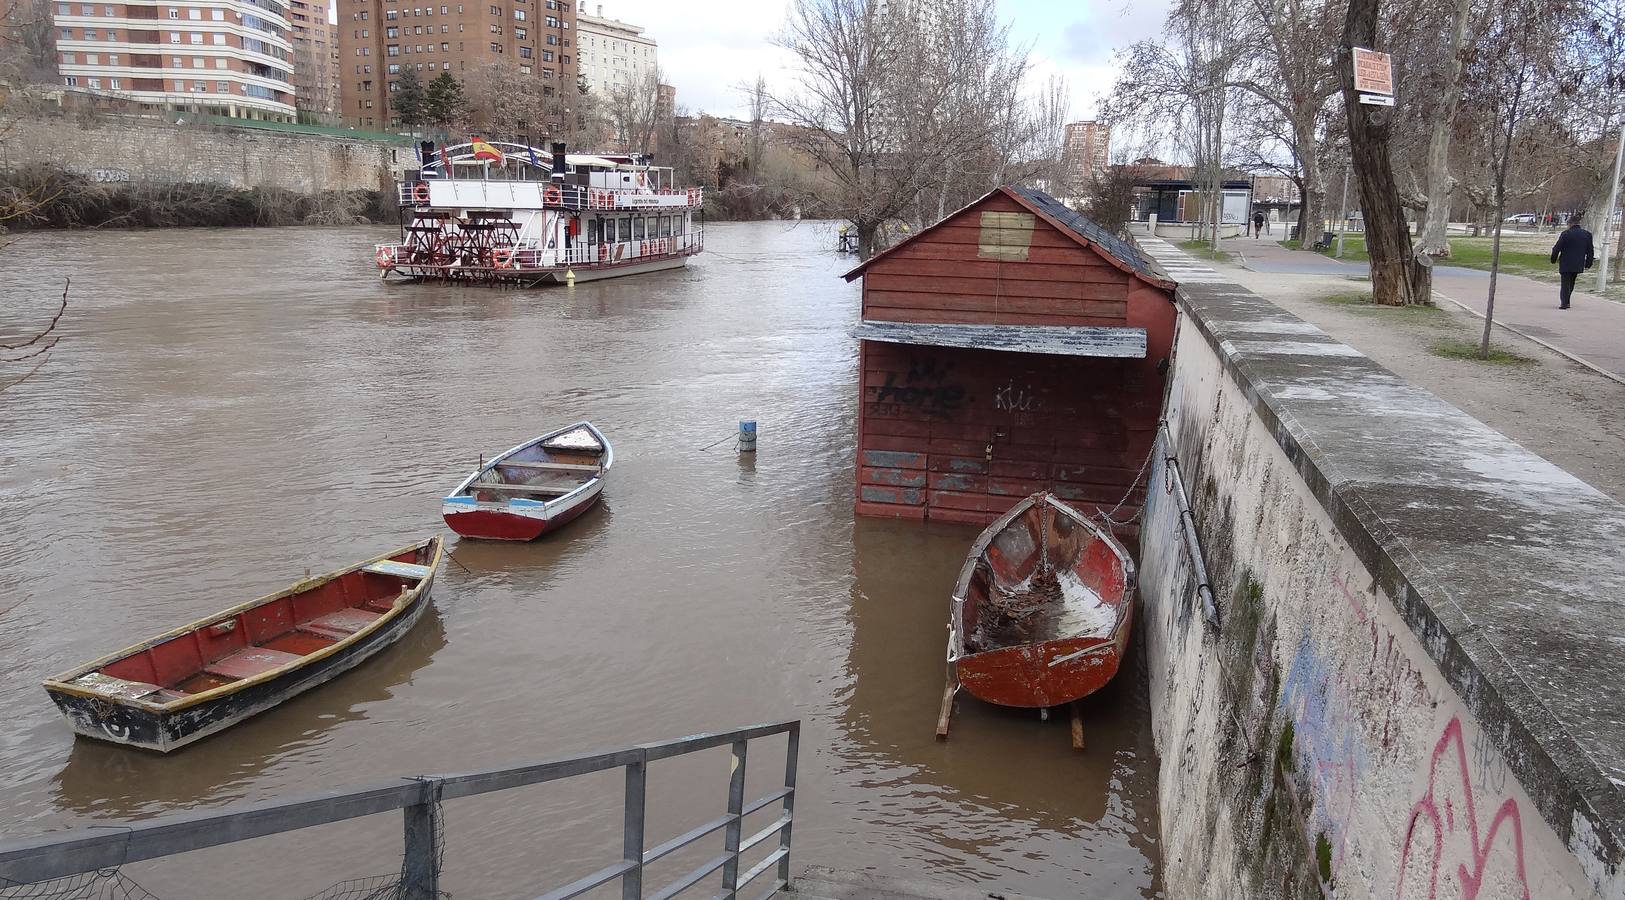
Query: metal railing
[576,197]
[628,251]
[66,853]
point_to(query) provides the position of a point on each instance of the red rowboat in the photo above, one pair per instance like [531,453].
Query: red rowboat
[533,488]
[1042,609]
[201,678]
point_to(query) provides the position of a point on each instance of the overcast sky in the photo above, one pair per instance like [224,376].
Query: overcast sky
[709,48]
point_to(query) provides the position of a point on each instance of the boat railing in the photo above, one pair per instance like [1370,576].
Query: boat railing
[102,849]
[627,251]
[417,193]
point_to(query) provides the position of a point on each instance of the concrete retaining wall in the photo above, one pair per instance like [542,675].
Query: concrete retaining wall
[117,149]
[1416,684]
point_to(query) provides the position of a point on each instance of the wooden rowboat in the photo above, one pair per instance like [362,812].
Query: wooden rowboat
[186,684]
[1041,612]
[533,488]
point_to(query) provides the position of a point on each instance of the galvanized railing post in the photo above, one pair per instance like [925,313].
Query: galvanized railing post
[420,872]
[792,748]
[632,840]
[736,809]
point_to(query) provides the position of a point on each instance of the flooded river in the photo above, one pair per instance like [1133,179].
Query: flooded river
[228,409]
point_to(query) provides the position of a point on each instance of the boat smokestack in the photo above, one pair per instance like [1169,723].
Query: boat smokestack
[559,165]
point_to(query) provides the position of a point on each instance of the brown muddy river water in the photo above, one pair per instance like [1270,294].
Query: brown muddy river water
[228,409]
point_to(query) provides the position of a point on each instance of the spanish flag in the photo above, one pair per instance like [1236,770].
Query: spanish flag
[482,150]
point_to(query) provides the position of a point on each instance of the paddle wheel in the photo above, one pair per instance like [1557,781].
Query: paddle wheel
[427,240]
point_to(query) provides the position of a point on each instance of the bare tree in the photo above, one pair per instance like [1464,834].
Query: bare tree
[634,111]
[760,103]
[1439,183]
[504,100]
[1398,278]
[876,103]
[1516,72]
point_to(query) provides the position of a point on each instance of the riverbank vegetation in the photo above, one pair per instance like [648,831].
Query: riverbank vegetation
[44,196]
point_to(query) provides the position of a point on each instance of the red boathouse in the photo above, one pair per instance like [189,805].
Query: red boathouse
[1013,347]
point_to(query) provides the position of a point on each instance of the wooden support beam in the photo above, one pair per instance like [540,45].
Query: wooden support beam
[1077,726]
[947,709]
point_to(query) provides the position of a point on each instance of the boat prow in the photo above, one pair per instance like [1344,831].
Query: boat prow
[533,488]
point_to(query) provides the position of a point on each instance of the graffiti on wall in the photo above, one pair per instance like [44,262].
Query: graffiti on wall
[925,389]
[1459,836]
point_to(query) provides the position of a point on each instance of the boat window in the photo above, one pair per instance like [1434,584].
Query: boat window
[595,230]
[626,229]
[609,231]
[637,229]
[665,226]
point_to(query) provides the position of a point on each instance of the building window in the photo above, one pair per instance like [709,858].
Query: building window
[365,33]
[445,29]
[94,84]
[112,59]
[553,39]
[446,66]
[194,14]
[496,10]
[392,50]
[197,37]
[197,62]
[552,21]
[220,63]
[200,86]
[394,69]
[418,29]
[175,62]
[495,28]
[524,53]
[496,47]
[392,32]
[87,10]
[389,14]
[520,33]
[519,15]
[524,70]
[222,87]
[174,37]
[220,40]
[547,56]
[445,46]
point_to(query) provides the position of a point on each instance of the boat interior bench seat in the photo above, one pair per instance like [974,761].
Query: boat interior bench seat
[551,490]
[248,662]
[548,466]
[337,626]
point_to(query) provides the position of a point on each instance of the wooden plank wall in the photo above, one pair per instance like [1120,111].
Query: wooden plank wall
[960,435]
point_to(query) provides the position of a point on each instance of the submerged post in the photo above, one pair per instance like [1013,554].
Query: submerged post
[420,870]
[747,437]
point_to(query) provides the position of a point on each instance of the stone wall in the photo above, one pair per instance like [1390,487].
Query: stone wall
[1414,687]
[130,149]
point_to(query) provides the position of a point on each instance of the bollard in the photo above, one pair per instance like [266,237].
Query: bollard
[570,277]
[747,437]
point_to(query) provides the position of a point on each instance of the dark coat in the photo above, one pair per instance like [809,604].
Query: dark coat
[1573,251]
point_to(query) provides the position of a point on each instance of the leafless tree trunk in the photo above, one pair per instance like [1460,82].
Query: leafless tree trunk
[1397,277]
[1432,237]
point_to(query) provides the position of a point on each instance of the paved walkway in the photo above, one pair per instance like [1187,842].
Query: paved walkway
[1592,332]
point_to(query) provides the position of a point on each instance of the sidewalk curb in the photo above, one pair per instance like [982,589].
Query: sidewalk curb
[1529,337]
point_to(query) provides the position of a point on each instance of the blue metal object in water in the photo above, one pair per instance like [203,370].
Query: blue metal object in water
[747,437]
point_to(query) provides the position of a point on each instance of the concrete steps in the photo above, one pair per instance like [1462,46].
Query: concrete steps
[821,883]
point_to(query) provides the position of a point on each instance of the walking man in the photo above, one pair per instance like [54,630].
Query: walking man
[1258,223]
[1573,254]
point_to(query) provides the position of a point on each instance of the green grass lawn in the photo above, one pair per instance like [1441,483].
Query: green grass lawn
[1204,250]
[1359,302]
[1521,254]
[1468,350]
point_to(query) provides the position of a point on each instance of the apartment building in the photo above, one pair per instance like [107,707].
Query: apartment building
[614,55]
[1086,151]
[315,59]
[224,57]
[381,39]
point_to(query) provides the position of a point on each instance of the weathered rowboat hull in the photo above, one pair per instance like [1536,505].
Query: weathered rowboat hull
[1041,533]
[167,726]
[566,466]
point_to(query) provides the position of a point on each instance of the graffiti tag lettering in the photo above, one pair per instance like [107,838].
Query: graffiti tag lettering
[924,388]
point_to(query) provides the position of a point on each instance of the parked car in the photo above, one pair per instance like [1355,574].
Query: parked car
[1521,219]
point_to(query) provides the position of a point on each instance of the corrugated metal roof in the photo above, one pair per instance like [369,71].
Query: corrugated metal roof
[1059,340]
[1088,230]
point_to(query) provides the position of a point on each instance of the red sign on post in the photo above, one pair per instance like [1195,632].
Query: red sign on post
[1373,72]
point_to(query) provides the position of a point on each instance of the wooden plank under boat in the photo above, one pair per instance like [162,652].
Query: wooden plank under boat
[201,678]
[1042,609]
[533,488]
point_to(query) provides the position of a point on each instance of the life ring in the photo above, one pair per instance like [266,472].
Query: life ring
[420,193]
[504,257]
[385,256]
[552,196]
